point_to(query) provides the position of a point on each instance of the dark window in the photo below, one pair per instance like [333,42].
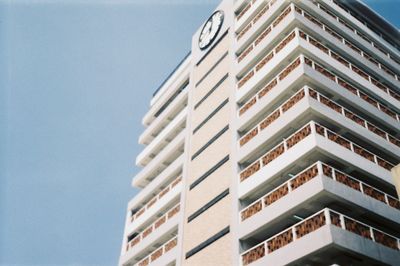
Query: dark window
[212,68]
[219,107]
[207,242]
[197,153]
[209,172]
[132,236]
[211,91]
[208,205]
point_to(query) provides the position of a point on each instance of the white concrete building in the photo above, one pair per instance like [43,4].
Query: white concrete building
[272,142]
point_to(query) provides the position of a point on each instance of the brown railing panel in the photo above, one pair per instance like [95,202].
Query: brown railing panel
[310,225]
[280,241]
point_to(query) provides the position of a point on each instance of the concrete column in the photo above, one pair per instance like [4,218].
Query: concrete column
[396,178]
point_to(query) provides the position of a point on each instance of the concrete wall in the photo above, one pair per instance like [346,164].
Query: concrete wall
[396,178]
[218,216]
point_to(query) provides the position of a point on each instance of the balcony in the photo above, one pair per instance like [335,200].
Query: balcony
[273,115]
[354,117]
[346,42]
[303,133]
[264,33]
[344,62]
[156,198]
[383,108]
[160,253]
[373,44]
[158,209]
[273,83]
[244,10]
[343,85]
[326,217]
[258,15]
[164,119]
[163,160]
[317,169]
[263,61]
[153,227]
[350,44]
[353,147]
[166,136]
[308,92]
[170,92]
[270,86]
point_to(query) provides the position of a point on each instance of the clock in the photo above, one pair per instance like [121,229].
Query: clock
[210,30]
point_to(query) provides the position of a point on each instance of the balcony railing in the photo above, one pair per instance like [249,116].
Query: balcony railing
[146,232]
[264,33]
[161,141]
[158,252]
[157,197]
[281,76]
[313,223]
[352,116]
[334,55]
[301,134]
[261,64]
[352,45]
[266,59]
[274,115]
[317,169]
[382,50]
[329,134]
[244,10]
[255,19]
[344,62]
[305,92]
[358,185]
[272,84]
[352,89]
[275,152]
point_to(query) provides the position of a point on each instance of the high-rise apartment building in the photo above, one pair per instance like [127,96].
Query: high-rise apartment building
[272,142]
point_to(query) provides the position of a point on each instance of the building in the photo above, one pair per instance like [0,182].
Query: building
[272,142]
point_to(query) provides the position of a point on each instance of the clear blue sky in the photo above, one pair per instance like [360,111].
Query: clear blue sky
[76,77]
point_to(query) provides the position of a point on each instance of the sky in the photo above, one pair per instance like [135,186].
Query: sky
[76,78]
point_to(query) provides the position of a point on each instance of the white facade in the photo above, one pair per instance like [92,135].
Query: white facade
[274,144]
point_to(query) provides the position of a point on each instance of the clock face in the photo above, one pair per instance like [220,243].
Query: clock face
[210,29]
